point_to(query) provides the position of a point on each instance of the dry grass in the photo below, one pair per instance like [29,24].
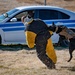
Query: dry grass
[25,62]
[68,4]
[6,5]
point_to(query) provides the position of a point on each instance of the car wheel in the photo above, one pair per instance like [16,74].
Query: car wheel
[64,43]
[0,40]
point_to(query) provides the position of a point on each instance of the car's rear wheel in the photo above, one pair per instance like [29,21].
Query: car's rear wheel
[63,42]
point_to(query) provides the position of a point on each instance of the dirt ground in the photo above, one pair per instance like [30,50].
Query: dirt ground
[6,5]
[24,61]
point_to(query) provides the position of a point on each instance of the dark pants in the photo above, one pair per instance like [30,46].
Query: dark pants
[41,43]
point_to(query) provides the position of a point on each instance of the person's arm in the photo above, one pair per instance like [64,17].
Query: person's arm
[22,18]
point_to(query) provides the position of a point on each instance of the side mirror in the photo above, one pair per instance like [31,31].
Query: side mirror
[5,15]
[13,20]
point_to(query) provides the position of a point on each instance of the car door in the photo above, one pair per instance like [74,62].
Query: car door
[49,16]
[15,29]
[14,32]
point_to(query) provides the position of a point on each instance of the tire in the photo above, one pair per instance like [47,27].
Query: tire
[64,43]
[0,40]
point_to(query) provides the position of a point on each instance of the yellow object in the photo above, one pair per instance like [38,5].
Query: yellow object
[50,51]
[30,21]
[30,38]
[51,32]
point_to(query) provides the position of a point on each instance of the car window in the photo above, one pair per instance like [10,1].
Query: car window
[8,14]
[62,15]
[19,15]
[52,15]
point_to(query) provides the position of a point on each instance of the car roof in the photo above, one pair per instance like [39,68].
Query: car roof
[38,7]
[21,8]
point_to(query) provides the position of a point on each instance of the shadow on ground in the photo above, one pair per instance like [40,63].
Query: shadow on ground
[14,47]
[20,46]
[69,68]
[60,48]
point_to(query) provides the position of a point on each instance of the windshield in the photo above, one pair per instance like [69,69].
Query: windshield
[3,16]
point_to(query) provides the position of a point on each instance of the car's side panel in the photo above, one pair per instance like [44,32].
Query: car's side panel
[13,32]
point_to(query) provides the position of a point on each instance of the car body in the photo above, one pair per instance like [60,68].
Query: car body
[12,30]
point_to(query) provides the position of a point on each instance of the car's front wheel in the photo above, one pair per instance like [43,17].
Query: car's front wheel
[0,40]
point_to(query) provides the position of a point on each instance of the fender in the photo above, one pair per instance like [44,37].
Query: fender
[2,35]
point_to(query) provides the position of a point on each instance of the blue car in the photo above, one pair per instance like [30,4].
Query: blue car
[12,29]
